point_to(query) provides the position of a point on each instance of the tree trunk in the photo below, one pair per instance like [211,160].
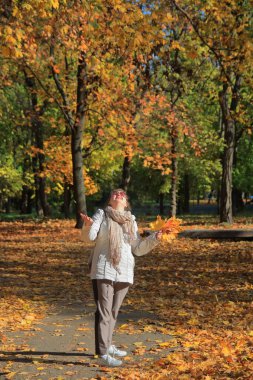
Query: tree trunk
[227,166]
[38,208]
[6,9]
[8,206]
[186,195]
[76,125]
[67,199]
[238,204]
[23,201]
[41,160]
[38,137]
[161,203]
[30,194]
[174,164]
[25,189]
[226,205]
[126,173]
[237,200]
[218,200]
[198,197]
[76,142]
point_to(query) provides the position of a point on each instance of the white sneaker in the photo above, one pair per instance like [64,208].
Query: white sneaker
[110,361]
[113,350]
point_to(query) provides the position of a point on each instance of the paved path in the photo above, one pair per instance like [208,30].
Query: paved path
[61,345]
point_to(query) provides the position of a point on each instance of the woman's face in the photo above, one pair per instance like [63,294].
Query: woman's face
[118,198]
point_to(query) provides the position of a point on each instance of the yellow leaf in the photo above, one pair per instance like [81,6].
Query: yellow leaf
[176,45]
[193,322]
[19,34]
[191,344]
[169,227]
[82,349]
[169,17]
[83,329]
[30,317]
[5,51]
[10,375]
[226,350]
[164,344]
[15,11]
[8,30]
[18,53]
[124,326]
[55,4]
[182,313]
[10,40]
[157,225]
[183,367]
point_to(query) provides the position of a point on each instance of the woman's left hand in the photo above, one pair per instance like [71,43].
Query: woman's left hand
[159,235]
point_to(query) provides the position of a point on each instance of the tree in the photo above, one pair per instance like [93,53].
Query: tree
[225,30]
[78,51]
[11,182]
[35,113]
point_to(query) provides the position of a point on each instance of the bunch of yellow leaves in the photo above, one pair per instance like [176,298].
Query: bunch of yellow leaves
[169,227]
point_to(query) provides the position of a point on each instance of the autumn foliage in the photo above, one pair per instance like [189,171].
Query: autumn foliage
[163,86]
[169,227]
[199,293]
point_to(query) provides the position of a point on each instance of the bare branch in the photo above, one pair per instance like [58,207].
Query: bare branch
[49,94]
[61,91]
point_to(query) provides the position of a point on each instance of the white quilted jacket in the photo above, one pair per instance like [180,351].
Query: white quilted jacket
[101,267]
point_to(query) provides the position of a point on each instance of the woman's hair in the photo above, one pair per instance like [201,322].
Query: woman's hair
[128,208]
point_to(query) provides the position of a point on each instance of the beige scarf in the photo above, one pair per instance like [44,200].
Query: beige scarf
[118,224]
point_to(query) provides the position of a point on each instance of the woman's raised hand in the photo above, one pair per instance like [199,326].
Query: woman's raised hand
[86,219]
[159,235]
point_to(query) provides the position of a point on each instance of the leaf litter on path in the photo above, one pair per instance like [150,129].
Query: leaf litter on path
[201,292]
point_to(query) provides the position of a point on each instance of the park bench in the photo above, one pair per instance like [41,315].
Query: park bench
[220,235]
[217,234]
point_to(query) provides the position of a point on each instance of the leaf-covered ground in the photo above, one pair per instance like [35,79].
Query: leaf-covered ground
[201,290]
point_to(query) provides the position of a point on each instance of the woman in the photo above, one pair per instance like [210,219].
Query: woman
[112,266]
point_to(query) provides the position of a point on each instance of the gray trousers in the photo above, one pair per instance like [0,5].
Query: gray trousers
[110,298]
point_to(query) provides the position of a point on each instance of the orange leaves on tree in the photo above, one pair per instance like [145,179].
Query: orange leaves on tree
[56,69]
[176,45]
[58,165]
[162,121]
